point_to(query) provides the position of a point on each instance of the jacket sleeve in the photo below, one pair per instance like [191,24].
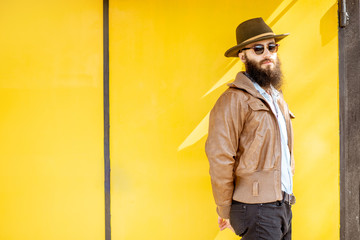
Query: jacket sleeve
[225,125]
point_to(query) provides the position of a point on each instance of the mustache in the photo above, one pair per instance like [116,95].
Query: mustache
[266,59]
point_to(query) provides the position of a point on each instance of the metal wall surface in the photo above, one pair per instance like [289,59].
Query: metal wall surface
[166,71]
[349,53]
[51,126]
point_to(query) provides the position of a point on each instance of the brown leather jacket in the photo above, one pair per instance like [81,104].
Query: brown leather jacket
[243,147]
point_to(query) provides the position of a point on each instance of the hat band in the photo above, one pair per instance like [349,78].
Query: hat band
[258,36]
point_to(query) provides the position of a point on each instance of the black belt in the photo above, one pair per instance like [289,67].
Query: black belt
[289,198]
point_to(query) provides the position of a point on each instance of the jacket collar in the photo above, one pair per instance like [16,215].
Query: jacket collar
[243,82]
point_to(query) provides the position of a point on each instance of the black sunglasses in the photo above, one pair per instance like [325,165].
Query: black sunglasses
[259,48]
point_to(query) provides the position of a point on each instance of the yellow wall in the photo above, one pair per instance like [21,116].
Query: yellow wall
[166,71]
[51,127]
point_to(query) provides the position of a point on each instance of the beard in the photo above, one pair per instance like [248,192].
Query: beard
[265,77]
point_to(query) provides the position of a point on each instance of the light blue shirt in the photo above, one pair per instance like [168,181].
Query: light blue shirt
[286,174]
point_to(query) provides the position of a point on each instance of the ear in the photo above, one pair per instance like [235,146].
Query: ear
[242,56]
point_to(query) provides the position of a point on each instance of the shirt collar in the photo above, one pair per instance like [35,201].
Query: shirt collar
[261,90]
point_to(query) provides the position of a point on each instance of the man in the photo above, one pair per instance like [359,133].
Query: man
[250,141]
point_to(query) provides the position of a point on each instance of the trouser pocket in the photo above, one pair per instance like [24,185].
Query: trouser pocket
[238,218]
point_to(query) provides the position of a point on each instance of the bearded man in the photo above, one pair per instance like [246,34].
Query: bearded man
[250,141]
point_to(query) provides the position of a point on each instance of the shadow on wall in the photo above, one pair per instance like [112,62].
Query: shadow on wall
[278,17]
[230,72]
[327,22]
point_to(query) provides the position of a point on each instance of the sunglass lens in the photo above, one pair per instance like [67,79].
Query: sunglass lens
[272,47]
[259,49]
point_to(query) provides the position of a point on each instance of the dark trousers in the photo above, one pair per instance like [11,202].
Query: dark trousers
[268,221]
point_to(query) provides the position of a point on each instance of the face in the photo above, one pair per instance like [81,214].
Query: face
[263,68]
[266,60]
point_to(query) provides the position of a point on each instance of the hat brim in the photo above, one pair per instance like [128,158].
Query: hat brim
[233,52]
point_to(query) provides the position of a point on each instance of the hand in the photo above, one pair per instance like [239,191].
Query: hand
[224,223]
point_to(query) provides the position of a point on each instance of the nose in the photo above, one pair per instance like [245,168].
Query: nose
[266,53]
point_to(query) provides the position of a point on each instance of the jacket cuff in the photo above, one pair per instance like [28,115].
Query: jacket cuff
[223,211]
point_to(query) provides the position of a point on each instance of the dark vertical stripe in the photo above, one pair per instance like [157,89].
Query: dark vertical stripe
[342,140]
[349,92]
[106,119]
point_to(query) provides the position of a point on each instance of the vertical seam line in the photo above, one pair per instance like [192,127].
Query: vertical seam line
[106,118]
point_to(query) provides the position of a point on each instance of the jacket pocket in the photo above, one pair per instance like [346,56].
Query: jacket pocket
[258,106]
[258,138]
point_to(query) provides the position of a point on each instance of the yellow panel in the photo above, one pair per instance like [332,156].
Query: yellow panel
[166,71]
[51,127]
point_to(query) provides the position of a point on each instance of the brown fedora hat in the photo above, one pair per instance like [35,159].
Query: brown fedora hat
[250,31]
